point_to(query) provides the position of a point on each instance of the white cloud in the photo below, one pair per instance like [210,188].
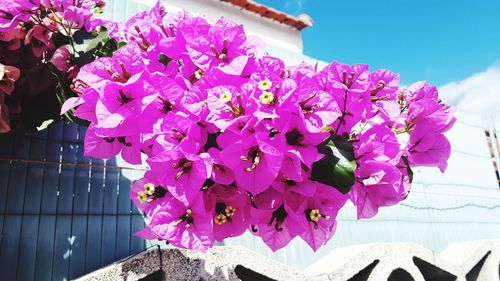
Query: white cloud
[479,93]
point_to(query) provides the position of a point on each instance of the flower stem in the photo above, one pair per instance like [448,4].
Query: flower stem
[344,112]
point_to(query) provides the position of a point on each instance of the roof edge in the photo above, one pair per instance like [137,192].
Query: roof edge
[271,13]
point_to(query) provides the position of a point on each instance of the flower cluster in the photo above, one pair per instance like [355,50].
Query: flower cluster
[35,39]
[235,142]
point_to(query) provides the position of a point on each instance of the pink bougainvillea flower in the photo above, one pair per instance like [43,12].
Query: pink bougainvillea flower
[86,105]
[120,105]
[126,62]
[12,39]
[40,39]
[12,12]
[100,147]
[220,173]
[377,143]
[183,174]
[319,214]
[146,28]
[273,221]
[254,161]
[144,33]
[420,90]
[149,196]
[428,149]
[8,77]
[93,77]
[274,98]
[378,184]
[131,148]
[384,84]
[354,79]
[228,104]
[71,16]
[299,140]
[61,58]
[178,131]
[224,44]
[435,117]
[107,147]
[319,108]
[293,168]
[244,127]
[315,206]
[350,87]
[183,226]
[194,102]
[270,71]
[73,19]
[230,211]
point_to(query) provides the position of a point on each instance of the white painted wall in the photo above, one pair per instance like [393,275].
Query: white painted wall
[271,32]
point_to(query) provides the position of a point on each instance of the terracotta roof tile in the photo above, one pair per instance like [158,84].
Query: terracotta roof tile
[270,13]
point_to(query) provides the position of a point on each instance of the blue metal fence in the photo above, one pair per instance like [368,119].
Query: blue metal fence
[61,214]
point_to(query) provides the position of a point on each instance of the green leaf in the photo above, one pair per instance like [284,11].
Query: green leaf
[62,93]
[327,129]
[164,59]
[337,166]
[408,168]
[58,39]
[88,45]
[108,48]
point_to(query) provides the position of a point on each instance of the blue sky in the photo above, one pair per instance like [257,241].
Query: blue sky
[440,41]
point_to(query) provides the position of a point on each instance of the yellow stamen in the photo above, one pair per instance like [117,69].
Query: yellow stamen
[143,197]
[97,10]
[198,74]
[230,210]
[149,188]
[255,163]
[179,175]
[265,85]
[222,57]
[225,97]
[266,97]
[315,215]
[220,219]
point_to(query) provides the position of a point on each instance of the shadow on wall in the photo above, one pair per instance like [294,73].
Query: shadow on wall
[428,271]
[219,263]
[172,265]
[466,261]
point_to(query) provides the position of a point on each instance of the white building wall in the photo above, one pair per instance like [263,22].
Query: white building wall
[271,32]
